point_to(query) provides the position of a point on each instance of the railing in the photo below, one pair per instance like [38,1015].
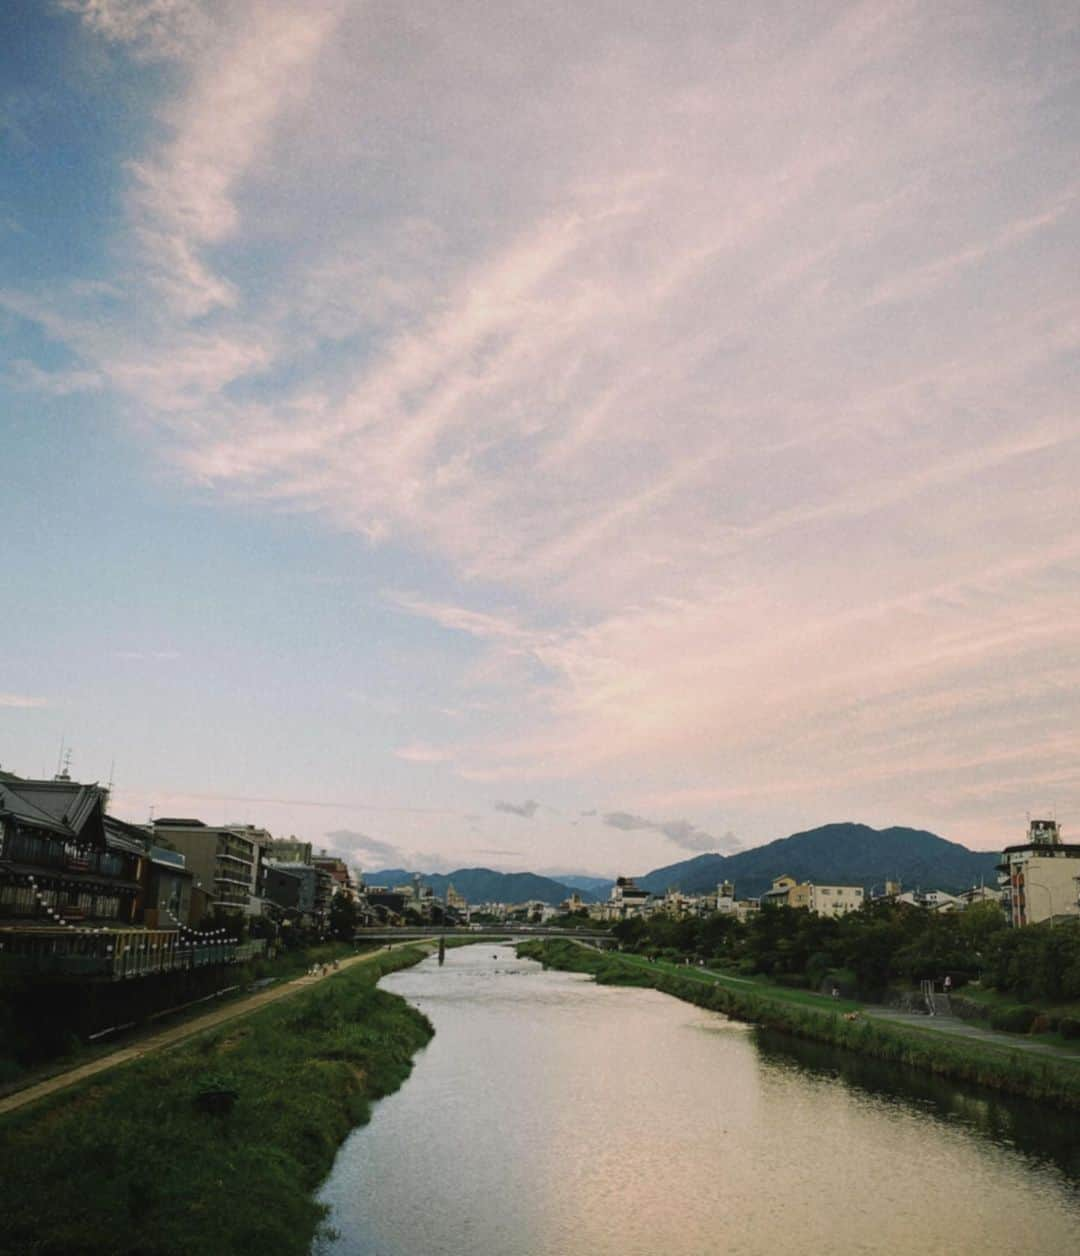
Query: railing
[41,852]
[114,955]
[246,860]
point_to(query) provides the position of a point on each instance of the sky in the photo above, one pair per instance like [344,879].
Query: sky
[555,437]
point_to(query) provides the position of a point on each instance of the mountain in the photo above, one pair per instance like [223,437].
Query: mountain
[600,887]
[835,854]
[484,885]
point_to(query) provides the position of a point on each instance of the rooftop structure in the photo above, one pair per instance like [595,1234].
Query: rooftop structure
[1040,879]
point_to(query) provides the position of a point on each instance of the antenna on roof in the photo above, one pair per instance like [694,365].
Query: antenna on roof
[59,758]
[65,773]
[112,775]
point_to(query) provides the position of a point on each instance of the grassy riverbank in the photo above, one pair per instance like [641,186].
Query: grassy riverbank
[39,1021]
[135,1163]
[797,1013]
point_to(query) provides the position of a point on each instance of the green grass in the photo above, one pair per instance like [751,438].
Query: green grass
[807,1016]
[130,1164]
[29,1056]
[993,1000]
[986,1003]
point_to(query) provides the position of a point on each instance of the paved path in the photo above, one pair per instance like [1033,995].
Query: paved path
[954,1027]
[232,1010]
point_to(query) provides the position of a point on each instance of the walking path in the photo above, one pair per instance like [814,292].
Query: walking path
[949,1025]
[954,1027]
[172,1037]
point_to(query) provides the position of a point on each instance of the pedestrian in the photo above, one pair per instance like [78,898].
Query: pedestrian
[835,992]
[946,985]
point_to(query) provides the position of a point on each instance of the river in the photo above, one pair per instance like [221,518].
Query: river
[552,1116]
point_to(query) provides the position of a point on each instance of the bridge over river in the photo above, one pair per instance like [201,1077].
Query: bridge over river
[595,937]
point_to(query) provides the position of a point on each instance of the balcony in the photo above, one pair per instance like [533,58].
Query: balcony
[39,852]
[227,876]
[239,858]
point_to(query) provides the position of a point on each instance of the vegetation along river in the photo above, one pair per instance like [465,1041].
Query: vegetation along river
[550,1115]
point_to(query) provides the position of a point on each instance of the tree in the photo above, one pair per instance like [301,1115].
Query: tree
[343,917]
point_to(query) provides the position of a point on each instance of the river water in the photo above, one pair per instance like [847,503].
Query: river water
[553,1116]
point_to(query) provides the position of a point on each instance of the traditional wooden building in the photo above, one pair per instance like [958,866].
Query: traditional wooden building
[59,858]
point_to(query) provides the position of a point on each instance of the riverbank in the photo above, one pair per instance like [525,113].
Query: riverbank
[1000,1067]
[217,1145]
[38,1022]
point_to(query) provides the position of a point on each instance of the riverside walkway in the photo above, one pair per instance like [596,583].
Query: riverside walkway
[943,1025]
[149,1041]
[177,1034]
[955,1027]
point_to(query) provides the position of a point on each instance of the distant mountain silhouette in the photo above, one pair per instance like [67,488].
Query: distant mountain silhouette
[598,886]
[835,854]
[484,885]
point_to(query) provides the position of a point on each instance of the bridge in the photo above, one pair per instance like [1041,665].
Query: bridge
[596,937]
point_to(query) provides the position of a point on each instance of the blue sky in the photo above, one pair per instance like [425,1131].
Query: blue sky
[567,437]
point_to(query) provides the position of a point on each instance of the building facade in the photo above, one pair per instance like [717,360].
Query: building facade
[225,861]
[826,900]
[60,859]
[316,888]
[1040,879]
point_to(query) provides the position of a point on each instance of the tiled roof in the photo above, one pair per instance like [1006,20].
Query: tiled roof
[65,808]
[122,836]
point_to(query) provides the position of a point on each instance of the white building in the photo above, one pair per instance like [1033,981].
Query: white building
[1041,878]
[826,900]
[932,900]
[627,899]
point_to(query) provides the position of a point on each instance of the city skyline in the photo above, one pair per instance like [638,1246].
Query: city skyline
[556,439]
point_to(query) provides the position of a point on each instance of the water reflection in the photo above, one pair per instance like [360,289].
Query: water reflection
[1036,1130]
[551,1115]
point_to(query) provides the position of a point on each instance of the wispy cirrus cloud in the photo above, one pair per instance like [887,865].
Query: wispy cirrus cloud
[159,29]
[423,754]
[146,656]
[739,417]
[22,701]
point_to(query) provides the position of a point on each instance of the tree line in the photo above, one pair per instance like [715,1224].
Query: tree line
[883,944]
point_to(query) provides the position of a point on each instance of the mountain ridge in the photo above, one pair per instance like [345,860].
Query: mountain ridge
[485,885]
[845,853]
[842,853]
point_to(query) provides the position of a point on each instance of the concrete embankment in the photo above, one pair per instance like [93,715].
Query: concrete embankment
[987,1059]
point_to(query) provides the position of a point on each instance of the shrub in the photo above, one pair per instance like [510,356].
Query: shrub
[1014,1020]
[1069,1027]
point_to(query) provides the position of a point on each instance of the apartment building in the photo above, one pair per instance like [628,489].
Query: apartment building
[225,860]
[1041,878]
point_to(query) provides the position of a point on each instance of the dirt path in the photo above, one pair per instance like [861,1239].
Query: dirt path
[171,1037]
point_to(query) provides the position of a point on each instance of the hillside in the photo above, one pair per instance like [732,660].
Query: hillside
[484,885]
[600,887]
[845,854]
